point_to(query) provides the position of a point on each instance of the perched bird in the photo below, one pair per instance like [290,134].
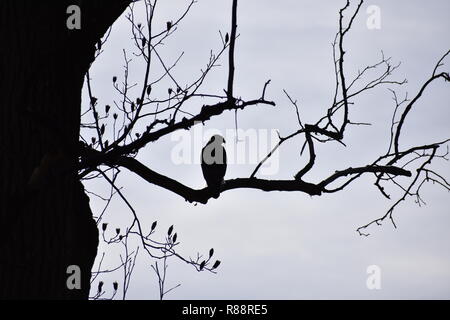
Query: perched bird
[214,164]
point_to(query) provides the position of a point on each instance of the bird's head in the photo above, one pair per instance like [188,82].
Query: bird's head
[217,138]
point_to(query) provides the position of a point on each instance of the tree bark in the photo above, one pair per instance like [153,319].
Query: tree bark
[47,225]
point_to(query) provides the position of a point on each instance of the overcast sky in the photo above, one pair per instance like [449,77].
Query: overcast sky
[290,245]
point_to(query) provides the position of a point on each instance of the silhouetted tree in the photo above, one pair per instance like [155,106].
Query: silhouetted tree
[44,211]
[47,226]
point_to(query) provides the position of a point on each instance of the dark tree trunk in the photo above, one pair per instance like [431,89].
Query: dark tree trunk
[45,226]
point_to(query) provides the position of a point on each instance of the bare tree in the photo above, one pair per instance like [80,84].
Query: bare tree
[118,131]
[161,116]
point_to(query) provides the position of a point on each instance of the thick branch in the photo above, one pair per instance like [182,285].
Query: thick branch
[372,169]
[203,195]
[206,113]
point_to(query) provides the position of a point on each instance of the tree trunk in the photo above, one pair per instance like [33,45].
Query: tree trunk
[45,219]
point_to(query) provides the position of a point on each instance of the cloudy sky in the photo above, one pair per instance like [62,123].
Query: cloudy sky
[290,245]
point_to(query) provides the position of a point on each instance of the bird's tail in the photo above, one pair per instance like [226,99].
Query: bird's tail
[215,190]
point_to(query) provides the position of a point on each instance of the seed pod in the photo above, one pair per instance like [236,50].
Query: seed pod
[169,25]
[169,232]
[227,38]
[149,89]
[211,252]
[216,264]
[115,116]
[117,230]
[115,285]
[202,265]
[174,238]
[104,225]
[114,79]
[100,286]
[154,225]
[107,107]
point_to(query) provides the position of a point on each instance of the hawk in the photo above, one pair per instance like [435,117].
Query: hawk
[214,164]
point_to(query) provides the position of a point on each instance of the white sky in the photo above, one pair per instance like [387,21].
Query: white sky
[289,245]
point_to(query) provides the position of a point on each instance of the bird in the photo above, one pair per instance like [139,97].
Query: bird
[214,164]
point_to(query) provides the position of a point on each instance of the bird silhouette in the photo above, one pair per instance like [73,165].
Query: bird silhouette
[214,164]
